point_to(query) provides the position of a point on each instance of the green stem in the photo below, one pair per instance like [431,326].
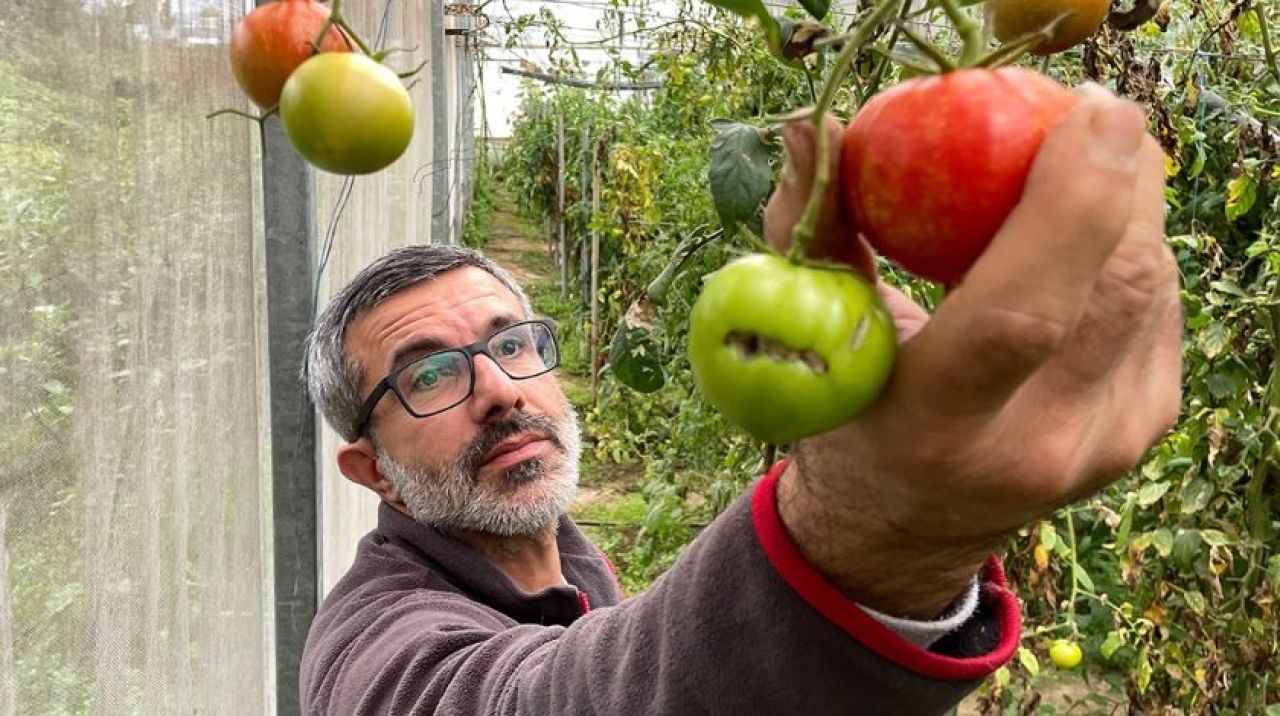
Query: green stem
[1266,41]
[1075,569]
[970,32]
[803,231]
[255,117]
[944,63]
[336,18]
[657,290]
[808,76]
[341,22]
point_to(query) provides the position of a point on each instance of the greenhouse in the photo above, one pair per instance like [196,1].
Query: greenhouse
[640,356]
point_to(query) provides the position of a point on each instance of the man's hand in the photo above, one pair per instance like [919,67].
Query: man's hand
[1048,373]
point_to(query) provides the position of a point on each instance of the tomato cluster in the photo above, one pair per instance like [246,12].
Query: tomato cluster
[930,169]
[343,111]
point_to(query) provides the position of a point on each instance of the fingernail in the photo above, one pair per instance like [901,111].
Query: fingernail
[1118,128]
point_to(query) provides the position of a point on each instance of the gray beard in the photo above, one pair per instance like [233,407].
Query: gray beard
[522,501]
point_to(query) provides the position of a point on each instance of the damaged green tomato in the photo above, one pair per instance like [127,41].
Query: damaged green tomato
[786,351]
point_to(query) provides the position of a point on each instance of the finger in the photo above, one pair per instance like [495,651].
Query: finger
[1136,277]
[835,234]
[1024,296]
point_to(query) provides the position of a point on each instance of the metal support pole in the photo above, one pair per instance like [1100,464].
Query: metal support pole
[564,254]
[287,213]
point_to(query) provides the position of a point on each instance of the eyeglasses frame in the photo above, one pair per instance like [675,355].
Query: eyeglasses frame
[480,347]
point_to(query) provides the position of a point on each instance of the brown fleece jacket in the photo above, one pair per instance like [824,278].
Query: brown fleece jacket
[740,625]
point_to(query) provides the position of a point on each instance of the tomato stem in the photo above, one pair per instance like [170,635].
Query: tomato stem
[336,18]
[1011,52]
[1268,50]
[803,231]
[412,72]
[259,118]
[944,63]
[970,32]
[1075,571]
[904,61]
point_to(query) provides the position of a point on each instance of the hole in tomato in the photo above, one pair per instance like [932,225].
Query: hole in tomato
[750,345]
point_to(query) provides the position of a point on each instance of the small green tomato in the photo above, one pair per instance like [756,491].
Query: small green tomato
[1065,654]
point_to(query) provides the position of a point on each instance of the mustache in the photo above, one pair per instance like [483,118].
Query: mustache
[492,434]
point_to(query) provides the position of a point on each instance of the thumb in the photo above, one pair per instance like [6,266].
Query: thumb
[835,235]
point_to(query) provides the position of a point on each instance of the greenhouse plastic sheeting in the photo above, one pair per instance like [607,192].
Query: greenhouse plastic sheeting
[132,556]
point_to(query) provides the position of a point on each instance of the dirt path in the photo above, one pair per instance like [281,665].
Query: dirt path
[609,491]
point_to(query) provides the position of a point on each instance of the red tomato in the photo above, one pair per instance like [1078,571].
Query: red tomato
[933,166]
[270,43]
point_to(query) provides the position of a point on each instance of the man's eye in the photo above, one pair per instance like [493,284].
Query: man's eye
[426,379]
[430,377]
[510,347]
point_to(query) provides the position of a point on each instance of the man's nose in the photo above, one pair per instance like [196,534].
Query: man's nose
[496,395]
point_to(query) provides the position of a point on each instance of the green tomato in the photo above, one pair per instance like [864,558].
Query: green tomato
[346,114]
[787,351]
[1065,654]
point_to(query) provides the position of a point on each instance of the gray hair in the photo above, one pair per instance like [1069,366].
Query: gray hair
[332,376]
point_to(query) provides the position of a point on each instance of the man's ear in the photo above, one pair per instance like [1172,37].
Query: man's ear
[359,462]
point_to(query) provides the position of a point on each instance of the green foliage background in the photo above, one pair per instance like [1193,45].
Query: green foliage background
[1169,577]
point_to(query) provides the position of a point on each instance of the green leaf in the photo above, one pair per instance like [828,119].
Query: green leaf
[1048,535]
[1186,547]
[740,175]
[1002,676]
[1126,522]
[817,8]
[634,357]
[1195,495]
[1151,493]
[1273,572]
[1257,248]
[1222,385]
[1195,601]
[1083,578]
[1143,671]
[1029,661]
[1111,644]
[1215,538]
[1162,540]
[1214,339]
[1242,192]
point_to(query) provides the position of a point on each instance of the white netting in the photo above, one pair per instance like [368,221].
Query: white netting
[131,557]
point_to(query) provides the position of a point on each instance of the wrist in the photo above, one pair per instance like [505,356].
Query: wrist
[861,547]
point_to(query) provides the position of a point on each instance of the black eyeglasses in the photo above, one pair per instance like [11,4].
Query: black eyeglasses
[445,379]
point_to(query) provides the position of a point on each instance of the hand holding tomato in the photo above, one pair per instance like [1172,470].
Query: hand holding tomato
[1044,375]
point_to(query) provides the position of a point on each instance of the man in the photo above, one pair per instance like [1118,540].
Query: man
[856,577]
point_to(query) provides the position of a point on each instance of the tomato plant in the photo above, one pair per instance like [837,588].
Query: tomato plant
[933,166]
[1167,580]
[1073,21]
[271,42]
[346,113]
[786,351]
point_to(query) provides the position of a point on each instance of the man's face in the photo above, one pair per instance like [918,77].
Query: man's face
[505,461]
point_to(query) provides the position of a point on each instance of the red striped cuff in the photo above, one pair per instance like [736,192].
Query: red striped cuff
[831,603]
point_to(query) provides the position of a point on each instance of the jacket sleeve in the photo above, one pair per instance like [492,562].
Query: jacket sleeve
[741,624]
